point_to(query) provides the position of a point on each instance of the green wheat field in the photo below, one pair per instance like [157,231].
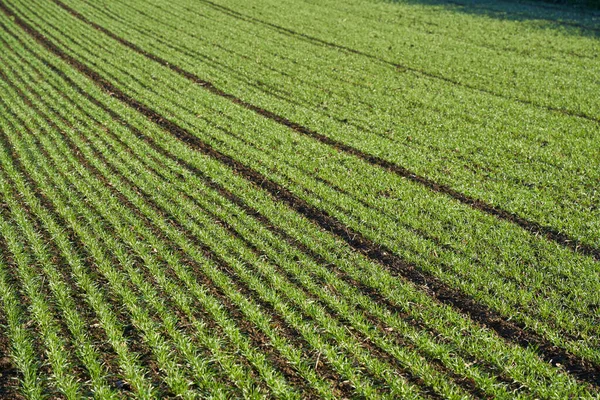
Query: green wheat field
[307,199]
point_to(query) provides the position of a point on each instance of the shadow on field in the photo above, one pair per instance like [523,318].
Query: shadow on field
[579,17]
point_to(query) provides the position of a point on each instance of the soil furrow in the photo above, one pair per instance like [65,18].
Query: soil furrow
[506,278]
[468,384]
[9,375]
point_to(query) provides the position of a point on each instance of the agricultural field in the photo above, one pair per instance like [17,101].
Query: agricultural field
[299,199]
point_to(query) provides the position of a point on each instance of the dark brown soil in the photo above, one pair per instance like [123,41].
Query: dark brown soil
[9,376]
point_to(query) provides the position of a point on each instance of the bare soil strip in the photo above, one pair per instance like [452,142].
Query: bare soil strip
[9,375]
